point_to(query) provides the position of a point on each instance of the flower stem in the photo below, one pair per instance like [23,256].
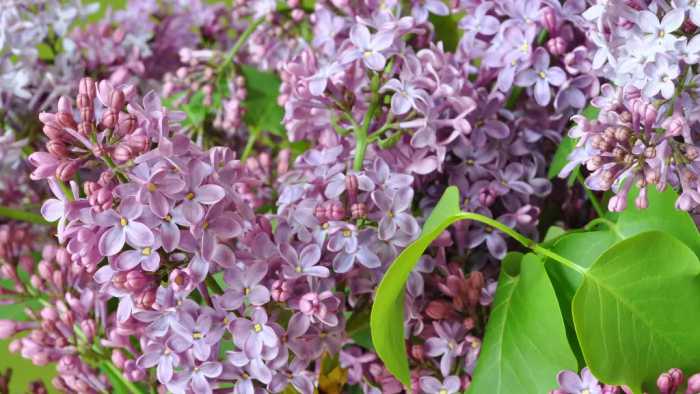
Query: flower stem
[523,240]
[23,216]
[362,141]
[252,137]
[239,43]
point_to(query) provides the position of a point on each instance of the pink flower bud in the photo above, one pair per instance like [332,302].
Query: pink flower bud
[67,169]
[127,124]
[641,201]
[8,328]
[53,131]
[87,86]
[88,327]
[57,148]
[358,210]
[297,15]
[122,153]
[418,352]
[556,46]
[84,101]
[136,280]
[87,115]
[693,384]
[117,100]
[283,161]
[110,118]
[118,358]
[617,203]
[335,211]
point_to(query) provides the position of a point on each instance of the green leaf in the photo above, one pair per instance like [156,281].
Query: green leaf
[561,157]
[195,109]
[447,30]
[583,248]
[661,215]
[262,110]
[525,343]
[636,311]
[386,320]
[590,112]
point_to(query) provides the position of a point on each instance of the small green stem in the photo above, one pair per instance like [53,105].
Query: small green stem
[252,138]
[239,43]
[523,240]
[611,225]
[23,216]
[361,132]
[594,200]
[133,388]
[117,172]
[66,190]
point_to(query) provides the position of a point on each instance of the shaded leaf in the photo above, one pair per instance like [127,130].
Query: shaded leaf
[525,345]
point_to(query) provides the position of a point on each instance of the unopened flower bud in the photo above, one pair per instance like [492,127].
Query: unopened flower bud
[53,131]
[57,148]
[110,118]
[549,20]
[67,169]
[335,211]
[297,15]
[617,203]
[122,153]
[83,101]
[127,124]
[438,310]
[117,100]
[8,328]
[418,352]
[283,161]
[358,210]
[87,86]
[351,185]
[556,46]
[87,115]
[693,384]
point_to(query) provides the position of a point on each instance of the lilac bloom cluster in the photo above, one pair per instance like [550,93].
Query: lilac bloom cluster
[644,134]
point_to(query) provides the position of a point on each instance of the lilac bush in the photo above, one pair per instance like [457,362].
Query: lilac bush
[204,198]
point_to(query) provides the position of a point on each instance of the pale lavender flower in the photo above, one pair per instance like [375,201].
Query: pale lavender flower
[163,354]
[156,188]
[195,377]
[571,383]
[197,194]
[406,95]
[304,263]
[244,286]
[318,82]
[361,252]
[421,9]
[368,47]
[201,334]
[450,385]
[448,344]
[123,227]
[395,212]
[253,334]
[661,74]
[146,256]
[541,75]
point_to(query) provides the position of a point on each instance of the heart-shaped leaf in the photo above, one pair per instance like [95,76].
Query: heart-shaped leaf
[525,343]
[386,320]
[636,311]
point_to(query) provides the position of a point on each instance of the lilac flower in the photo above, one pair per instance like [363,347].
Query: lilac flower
[361,252]
[480,22]
[368,47]
[201,334]
[164,355]
[146,256]
[447,344]
[318,82]
[571,383]
[244,286]
[197,194]
[393,207]
[406,95]
[450,385]
[541,75]
[196,377]
[59,208]
[123,227]
[155,188]
[421,9]
[660,32]
[304,263]
[253,334]
[661,75]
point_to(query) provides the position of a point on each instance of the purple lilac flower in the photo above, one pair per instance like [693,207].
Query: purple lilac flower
[541,76]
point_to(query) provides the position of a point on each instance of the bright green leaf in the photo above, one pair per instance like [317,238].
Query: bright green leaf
[635,312]
[386,319]
[446,30]
[262,110]
[583,248]
[661,215]
[525,343]
[561,157]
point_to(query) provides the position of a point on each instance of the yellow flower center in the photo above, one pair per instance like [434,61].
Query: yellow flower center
[168,217]
[347,233]
[367,54]
[151,187]
[390,214]
[542,74]
[189,196]
[197,335]
[205,225]
[246,291]
[524,47]
[442,391]
[146,251]
[257,327]
[325,226]
[123,221]
[297,268]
